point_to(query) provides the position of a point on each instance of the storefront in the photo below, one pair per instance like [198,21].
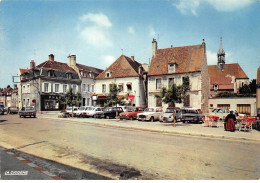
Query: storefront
[51,103]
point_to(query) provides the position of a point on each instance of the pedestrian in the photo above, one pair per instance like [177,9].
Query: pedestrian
[230,121]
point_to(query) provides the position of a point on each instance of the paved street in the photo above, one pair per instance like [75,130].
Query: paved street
[113,151]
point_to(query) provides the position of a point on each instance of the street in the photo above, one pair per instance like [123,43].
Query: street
[145,155]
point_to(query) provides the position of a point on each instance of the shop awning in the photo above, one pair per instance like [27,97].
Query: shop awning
[131,97]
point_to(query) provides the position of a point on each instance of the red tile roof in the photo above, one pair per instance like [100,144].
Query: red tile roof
[22,71]
[86,68]
[56,65]
[122,67]
[6,90]
[224,78]
[186,58]
[258,76]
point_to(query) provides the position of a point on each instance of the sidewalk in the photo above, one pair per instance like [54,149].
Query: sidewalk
[181,128]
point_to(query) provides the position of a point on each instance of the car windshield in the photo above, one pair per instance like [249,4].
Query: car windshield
[90,108]
[169,110]
[82,108]
[130,109]
[149,110]
[69,108]
[214,110]
[29,108]
[108,109]
[195,111]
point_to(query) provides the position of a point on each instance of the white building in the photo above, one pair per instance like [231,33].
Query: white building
[127,74]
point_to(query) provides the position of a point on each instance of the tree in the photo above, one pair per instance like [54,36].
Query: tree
[172,95]
[248,89]
[113,97]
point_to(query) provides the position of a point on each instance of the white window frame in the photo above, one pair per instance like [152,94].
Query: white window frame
[65,87]
[44,89]
[56,91]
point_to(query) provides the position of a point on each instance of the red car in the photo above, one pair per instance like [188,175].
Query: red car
[131,113]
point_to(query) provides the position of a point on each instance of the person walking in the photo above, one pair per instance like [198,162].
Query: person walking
[229,122]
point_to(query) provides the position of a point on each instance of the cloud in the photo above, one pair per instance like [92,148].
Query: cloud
[108,59]
[191,6]
[212,58]
[131,30]
[97,33]
[152,31]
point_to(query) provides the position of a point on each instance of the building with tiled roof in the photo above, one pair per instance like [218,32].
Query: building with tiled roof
[177,65]
[226,77]
[129,75]
[8,97]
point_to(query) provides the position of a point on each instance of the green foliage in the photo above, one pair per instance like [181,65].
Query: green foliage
[70,98]
[248,89]
[225,94]
[113,97]
[252,86]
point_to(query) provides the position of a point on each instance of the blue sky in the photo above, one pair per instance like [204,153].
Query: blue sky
[97,31]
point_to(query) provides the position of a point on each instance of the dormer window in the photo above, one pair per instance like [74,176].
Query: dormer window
[171,67]
[51,73]
[215,87]
[108,74]
[91,75]
[68,75]
[83,74]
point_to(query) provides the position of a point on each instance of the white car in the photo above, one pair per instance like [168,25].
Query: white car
[222,113]
[69,110]
[92,111]
[150,114]
[81,111]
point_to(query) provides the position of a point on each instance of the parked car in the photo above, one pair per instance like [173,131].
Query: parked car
[167,116]
[93,111]
[222,113]
[131,113]
[69,110]
[192,115]
[150,114]
[27,111]
[81,112]
[110,112]
[13,110]
[2,109]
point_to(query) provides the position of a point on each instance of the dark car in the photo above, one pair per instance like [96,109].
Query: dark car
[2,109]
[110,112]
[27,111]
[13,110]
[192,115]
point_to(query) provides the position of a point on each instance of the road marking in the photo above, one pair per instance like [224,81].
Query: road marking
[31,164]
[20,158]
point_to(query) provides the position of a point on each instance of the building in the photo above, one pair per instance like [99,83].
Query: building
[45,83]
[128,75]
[9,96]
[179,65]
[258,92]
[226,77]
[87,75]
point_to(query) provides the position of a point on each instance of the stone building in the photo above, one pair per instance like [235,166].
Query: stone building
[46,83]
[9,96]
[178,65]
[129,76]
[226,77]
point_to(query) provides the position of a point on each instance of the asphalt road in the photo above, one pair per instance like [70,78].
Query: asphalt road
[113,151]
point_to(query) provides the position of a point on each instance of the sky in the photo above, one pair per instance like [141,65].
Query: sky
[99,31]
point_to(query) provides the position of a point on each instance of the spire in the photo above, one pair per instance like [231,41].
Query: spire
[221,56]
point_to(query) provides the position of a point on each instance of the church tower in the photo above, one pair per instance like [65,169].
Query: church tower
[221,56]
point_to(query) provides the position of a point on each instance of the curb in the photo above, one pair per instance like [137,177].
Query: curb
[158,131]
[31,164]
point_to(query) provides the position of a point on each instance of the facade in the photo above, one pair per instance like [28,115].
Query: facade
[46,83]
[127,74]
[9,97]
[226,77]
[87,75]
[178,65]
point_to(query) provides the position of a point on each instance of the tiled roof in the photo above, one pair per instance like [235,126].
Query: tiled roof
[223,78]
[22,71]
[122,67]
[56,65]
[258,76]
[6,90]
[186,58]
[94,70]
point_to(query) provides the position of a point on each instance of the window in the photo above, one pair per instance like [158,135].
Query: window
[244,108]
[64,88]
[92,88]
[121,87]
[88,101]
[103,88]
[215,87]
[68,75]
[186,81]
[83,74]
[28,102]
[171,68]
[110,86]
[57,87]
[24,89]
[158,84]
[170,82]
[187,101]
[108,74]
[46,87]
[84,87]
[88,88]
[91,75]
[224,106]
[158,102]
[129,86]
[28,88]
[74,88]
[51,73]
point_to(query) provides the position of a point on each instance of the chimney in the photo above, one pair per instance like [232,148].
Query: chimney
[51,57]
[32,64]
[154,47]
[73,60]
[133,58]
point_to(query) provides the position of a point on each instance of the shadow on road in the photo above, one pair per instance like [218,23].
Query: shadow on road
[1,121]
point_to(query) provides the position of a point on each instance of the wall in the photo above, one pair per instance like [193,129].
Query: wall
[87,94]
[234,101]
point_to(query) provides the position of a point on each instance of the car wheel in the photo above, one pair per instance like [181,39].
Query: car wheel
[152,119]
[131,118]
[107,117]
[20,116]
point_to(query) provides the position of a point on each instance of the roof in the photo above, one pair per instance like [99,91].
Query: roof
[56,65]
[186,58]
[224,78]
[6,91]
[122,67]
[94,70]
[258,76]
[22,71]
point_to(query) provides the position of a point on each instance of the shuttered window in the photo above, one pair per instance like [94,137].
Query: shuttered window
[244,108]
[224,106]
